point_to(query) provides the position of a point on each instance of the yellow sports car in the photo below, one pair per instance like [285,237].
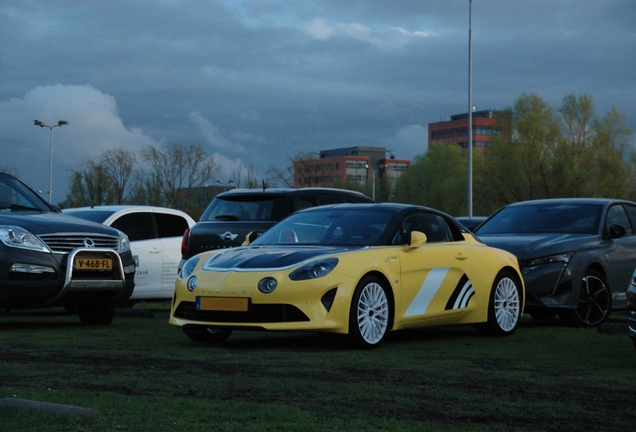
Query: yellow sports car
[356,269]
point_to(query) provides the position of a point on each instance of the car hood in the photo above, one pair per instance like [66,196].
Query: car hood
[268,257]
[49,223]
[528,246]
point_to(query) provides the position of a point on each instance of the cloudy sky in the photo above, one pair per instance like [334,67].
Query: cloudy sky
[258,81]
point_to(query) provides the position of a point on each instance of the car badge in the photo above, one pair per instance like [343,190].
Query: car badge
[89,243]
[228,236]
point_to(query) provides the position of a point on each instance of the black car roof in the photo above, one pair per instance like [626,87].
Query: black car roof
[572,200]
[312,191]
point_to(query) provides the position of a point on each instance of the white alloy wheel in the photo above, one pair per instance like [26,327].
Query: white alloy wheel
[372,313]
[507,304]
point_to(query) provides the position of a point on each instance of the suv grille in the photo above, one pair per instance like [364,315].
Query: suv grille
[65,243]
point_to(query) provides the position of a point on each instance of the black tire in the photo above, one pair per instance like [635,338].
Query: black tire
[504,307]
[370,313]
[209,335]
[595,302]
[96,313]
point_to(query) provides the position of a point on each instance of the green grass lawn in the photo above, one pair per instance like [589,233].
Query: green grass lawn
[141,374]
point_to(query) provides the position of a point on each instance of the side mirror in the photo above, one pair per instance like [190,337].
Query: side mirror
[616,231]
[250,237]
[417,239]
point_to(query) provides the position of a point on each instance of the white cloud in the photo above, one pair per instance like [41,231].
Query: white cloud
[212,135]
[94,127]
[321,29]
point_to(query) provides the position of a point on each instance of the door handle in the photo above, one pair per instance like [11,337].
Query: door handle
[460,257]
[155,251]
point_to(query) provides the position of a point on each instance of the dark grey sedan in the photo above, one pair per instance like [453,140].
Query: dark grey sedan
[577,255]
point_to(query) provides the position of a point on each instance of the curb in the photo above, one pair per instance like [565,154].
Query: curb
[68,410]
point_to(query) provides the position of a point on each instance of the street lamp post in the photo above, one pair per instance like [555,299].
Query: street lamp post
[372,168]
[470,108]
[59,124]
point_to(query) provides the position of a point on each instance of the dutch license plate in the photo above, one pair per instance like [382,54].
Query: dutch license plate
[222,304]
[93,264]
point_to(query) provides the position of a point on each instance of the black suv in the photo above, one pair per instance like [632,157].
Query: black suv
[51,259]
[234,214]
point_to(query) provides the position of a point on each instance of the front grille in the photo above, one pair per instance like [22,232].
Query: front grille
[66,242]
[258,313]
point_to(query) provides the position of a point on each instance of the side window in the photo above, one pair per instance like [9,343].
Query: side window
[631,212]
[616,215]
[137,226]
[170,225]
[434,226]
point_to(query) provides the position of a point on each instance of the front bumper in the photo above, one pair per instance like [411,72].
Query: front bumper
[631,313]
[313,305]
[549,286]
[35,279]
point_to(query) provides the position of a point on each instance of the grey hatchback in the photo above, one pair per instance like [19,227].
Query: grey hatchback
[577,255]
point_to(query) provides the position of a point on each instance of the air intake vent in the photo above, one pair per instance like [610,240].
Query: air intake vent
[66,242]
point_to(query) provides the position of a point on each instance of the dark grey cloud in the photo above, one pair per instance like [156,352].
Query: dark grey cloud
[257,81]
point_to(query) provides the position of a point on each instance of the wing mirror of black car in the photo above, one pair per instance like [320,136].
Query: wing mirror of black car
[617,231]
[250,237]
[417,239]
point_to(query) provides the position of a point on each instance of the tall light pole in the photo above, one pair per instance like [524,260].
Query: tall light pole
[59,124]
[372,168]
[470,109]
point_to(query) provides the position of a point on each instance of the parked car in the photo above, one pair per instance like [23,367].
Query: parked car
[631,309]
[155,235]
[234,214]
[577,255]
[51,259]
[356,269]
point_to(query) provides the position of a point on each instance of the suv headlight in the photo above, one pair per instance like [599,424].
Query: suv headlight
[17,237]
[124,243]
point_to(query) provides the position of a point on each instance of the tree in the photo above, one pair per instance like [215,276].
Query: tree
[568,152]
[177,168]
[118,165]
[103,181]
[436,179]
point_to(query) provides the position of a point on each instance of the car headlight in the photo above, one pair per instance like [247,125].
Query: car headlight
[563,258]
[315,269]
[124,243]
[17,237]
[188,267]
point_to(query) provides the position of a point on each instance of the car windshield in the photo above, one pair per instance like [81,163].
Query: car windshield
[98,216]
[561,218]
[14,196]
[244,208]
[329,227]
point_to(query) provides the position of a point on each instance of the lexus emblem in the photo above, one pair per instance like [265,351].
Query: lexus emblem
[228,236]
[89,243]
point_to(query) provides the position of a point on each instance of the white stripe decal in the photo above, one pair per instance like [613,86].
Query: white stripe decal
[464,296]
[427,291]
